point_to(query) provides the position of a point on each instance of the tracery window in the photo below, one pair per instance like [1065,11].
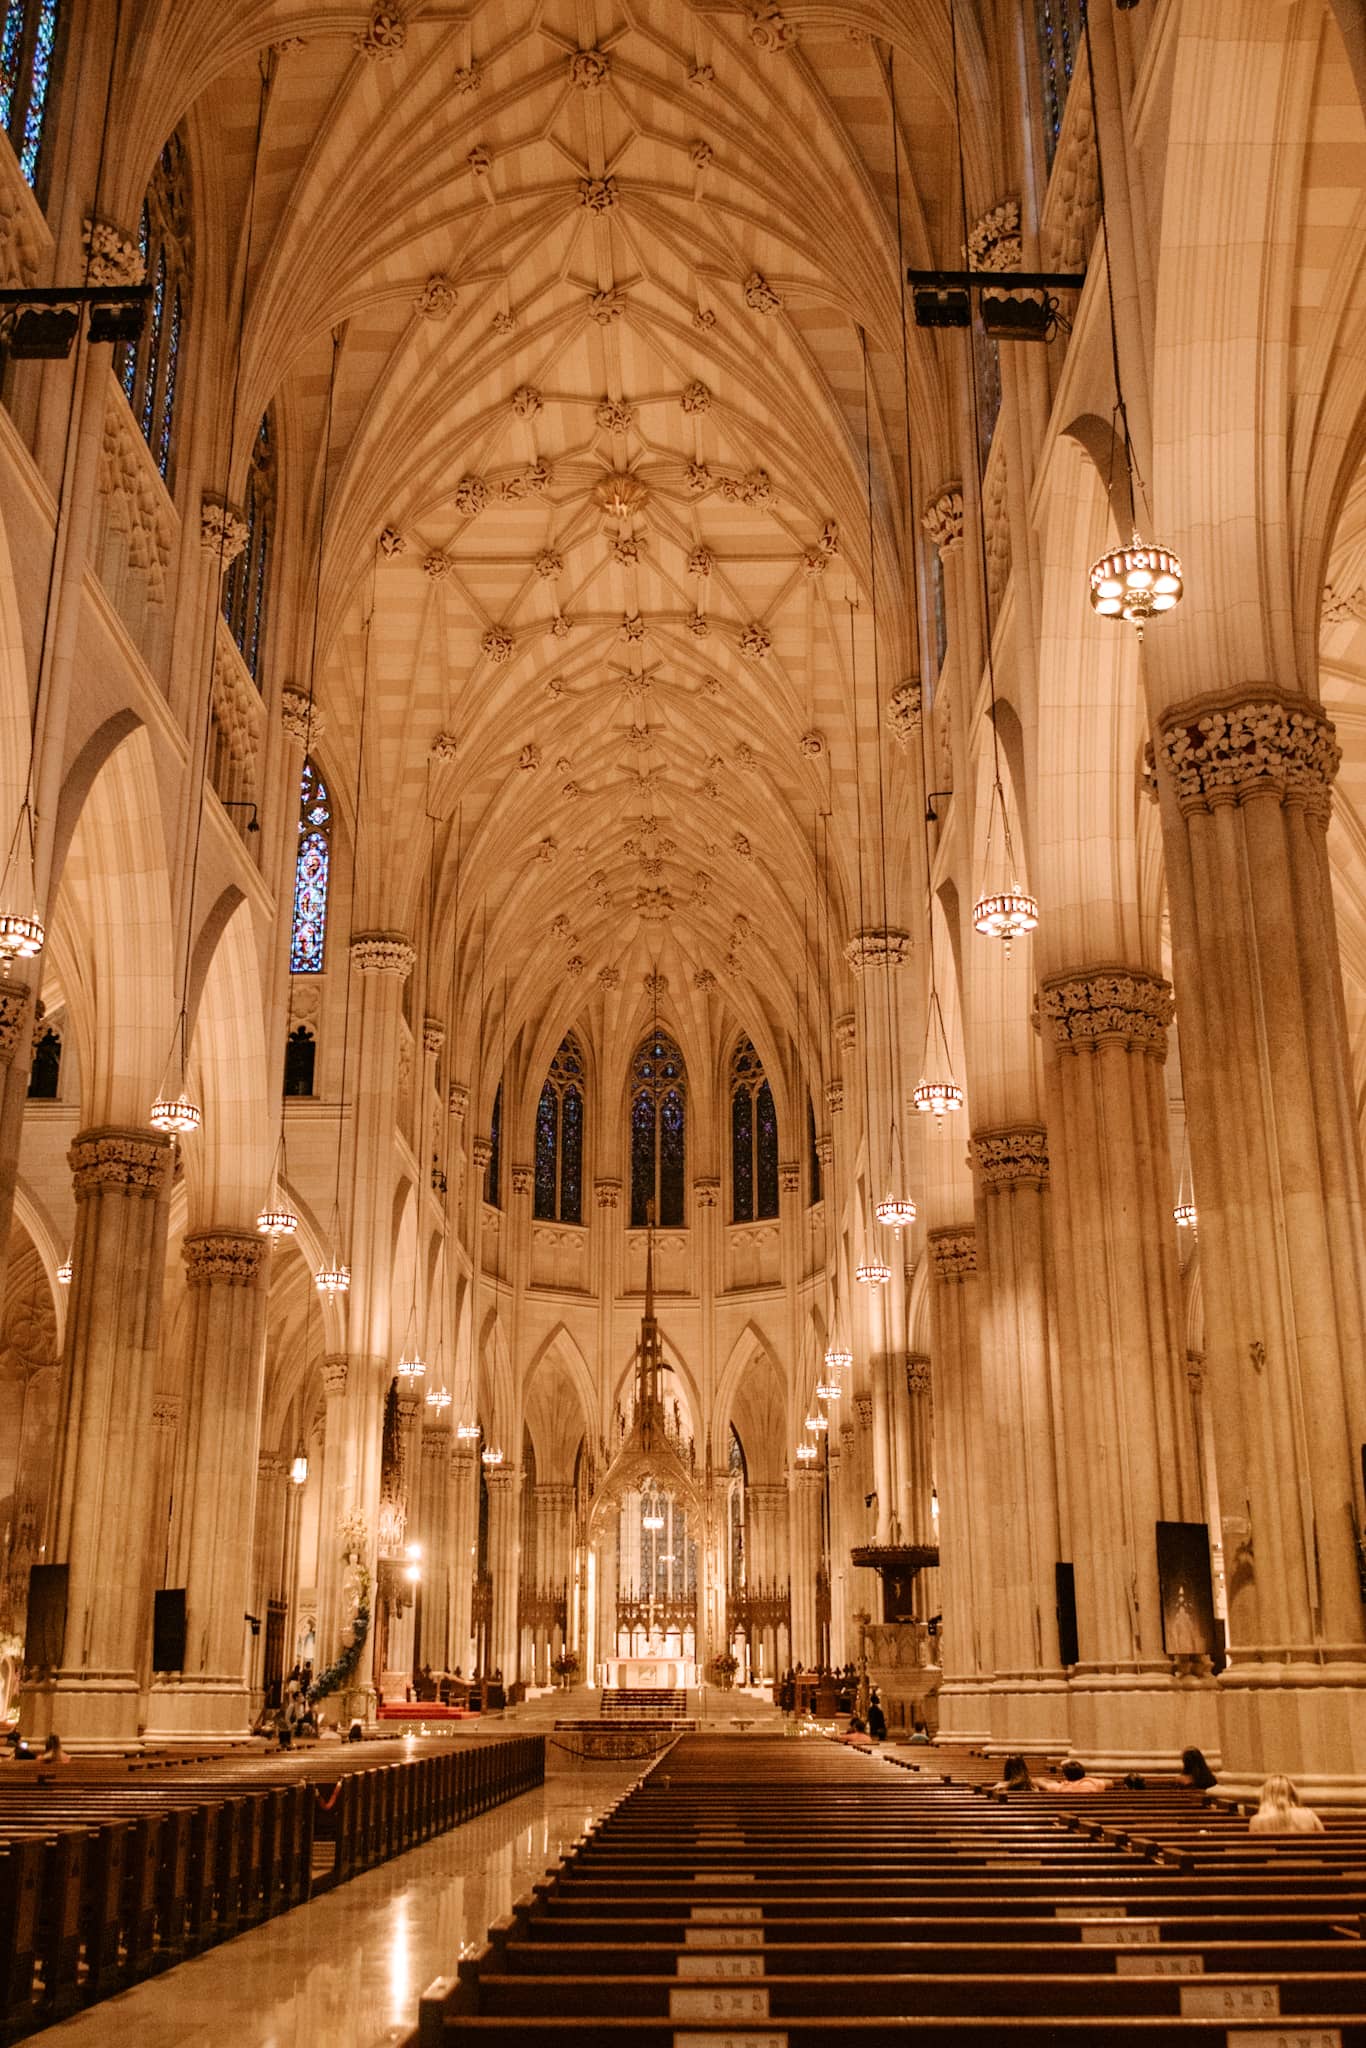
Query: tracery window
[559,1138]
[244,588]
[493,1171]
[312,874]
[149,369]
[28,55]
[753,1139]
[813,1157]
[1058,23]
[659,1116]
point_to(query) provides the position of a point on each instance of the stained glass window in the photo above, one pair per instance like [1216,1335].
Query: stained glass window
[312,874]
[813,1166]
[245,584]
[659,1135]
[559,1138]
[493,1171]
[1059,31]
[149,369]
[753,1139]
[28,60]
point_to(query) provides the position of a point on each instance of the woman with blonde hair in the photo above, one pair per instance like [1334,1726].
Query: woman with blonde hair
[1280,1812]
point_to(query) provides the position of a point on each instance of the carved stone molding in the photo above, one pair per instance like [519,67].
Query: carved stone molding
[230,1256]
[789,1177]
[392,542]
[588,69]
[1014,1156]
[834,1097]
[760,296]
[917,1373]
[481,1151]
[409,1409]
[904,709]
[271,1466]
[14,1001]
[499,1478]
[137,1162]
[863,1408]
[498,645]
[885,948]
[707,1192]
[1226,749]
[111,256]
[302,721]
[523,1179]
[437,298]
[383,35]
[436,1441]
[457,1100]
[607,1194]
[335,1369]
[433,1034]
[599,195]
[942,519]
[825,1152]
[166,1411]
[848,1438]
[768,30]
[222,531]
[846,1032]
[953,1253]
[383,953]
[1118,1005]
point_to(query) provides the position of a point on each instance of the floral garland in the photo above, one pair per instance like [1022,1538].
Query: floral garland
[354,1539]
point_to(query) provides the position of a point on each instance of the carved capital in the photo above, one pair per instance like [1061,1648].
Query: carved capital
[270,1466]
[834,1097]
[1229,748]
[1120,1005]
[500,1478]
[383,953]
[607,1194]
[433,1034]
[917,1373]
[523,1179]
[458,1100]
[942,518]
[887,947]
[227,1256]
[222,531]
[789,1177]
[863,1408]
[14,1002]
[846,1032]
[825,1151]
[1012,1157]
[301,720]
[166,1412]
[436,1441]
[409,1408]
[706,1193]
[335,1370]
[135,1162]
[481,1151]
[111,257]
[953,1253]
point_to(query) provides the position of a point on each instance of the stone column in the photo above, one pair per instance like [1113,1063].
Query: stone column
[807,1488]
[209,1698]
[438,1563]
[270,1576]
[97,1522]
[505,1558]
[918,1522]
[965,1649]
[1245,786]
[332,1503]
[1126,1432]
[1029,1690]
[464,1484]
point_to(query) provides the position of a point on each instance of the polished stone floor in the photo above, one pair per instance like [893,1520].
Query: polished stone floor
[347,1970]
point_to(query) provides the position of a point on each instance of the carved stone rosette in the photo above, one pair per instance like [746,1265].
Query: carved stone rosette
[953,1253]
[14,1001]
[1226,749]
[885,948]
[302,721]
[1120,1005]
[607,1194]
[942,519]
[222,531]
[1012,1157]
[904,710]
[230,1256]
[111,257]
[137,1162]
[383,953]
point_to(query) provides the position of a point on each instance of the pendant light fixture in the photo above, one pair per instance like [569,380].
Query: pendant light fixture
[64,1272]
[1184,1214]
[806,1452]
[21,929]
[1142,580]
[277,1219]
[298,1470]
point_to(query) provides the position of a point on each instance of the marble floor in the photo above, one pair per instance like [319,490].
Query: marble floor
[346,1971]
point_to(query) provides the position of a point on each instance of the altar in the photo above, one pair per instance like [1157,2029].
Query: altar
[649,1674]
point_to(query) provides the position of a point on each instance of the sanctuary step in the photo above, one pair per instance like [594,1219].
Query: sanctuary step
[109,1874]
[796,1894]
[644,1703]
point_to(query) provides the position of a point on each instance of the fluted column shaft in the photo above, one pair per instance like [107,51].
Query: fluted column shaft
[464,1541]
[1029,1691]
[505,1554]
[1121,1355]
[436,1524]
[805,1504]
[965,1536]
[1245,788]
[97,1523]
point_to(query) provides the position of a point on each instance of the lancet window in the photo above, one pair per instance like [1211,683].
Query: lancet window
[312,874]
[28,59]
[493,1171]
[149,369]
[753,1139]
[244,588]
[813,1157]
[559,1138]
[659,1116]
[1058,24]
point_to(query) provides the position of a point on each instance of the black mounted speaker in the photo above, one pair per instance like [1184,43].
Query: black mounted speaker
[168,1629]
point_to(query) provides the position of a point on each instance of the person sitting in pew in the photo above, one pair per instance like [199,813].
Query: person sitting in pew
[1195,1771]
[53,1753]
[1280,1812]
[1014,1776]
[1074,1777]
[877,1720]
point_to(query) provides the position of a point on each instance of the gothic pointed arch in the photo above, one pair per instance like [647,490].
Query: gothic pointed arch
[659,1137]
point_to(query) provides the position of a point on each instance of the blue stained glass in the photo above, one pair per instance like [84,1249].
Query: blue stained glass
[494,1174]
[149,396]
[571,1158]
[742,1156]
[1059,34]
[642,1157]
[258,594]
[11,40]
[766,1151]
[671,1159]
[40,77]
[315,805]
[547,1140]
[310,905]
[168,401]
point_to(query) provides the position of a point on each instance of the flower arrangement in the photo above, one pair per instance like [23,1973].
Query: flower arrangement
[722,1669]
[354,1536]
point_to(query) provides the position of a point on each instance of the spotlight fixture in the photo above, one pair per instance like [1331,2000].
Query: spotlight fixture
[1008,319]
[936,308]
[43,334]
[123,321]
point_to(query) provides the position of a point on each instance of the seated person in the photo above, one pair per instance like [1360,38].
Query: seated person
[1014,1776]
[1195,1771]
[1074,1777]
[1280,1812]
[919,1733]
[877,1720]
[53,1753]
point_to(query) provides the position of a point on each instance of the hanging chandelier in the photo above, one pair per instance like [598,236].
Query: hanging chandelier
[278,1221]
[411,1365]
[332,1279]
[298,1471]
[1136,583]
[466,1432]
[1007,914]
[64,1272]
[21,931]
[438,1397]
[838,1361]
[937,1098]
[806,1452]
[872,1273]
[817,1422]
[179,1116]
[1184,1213]
[652,1518]
[491,1456]
[896,1212]
[21,938]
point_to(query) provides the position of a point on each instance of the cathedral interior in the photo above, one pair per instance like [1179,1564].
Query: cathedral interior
[684,913]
